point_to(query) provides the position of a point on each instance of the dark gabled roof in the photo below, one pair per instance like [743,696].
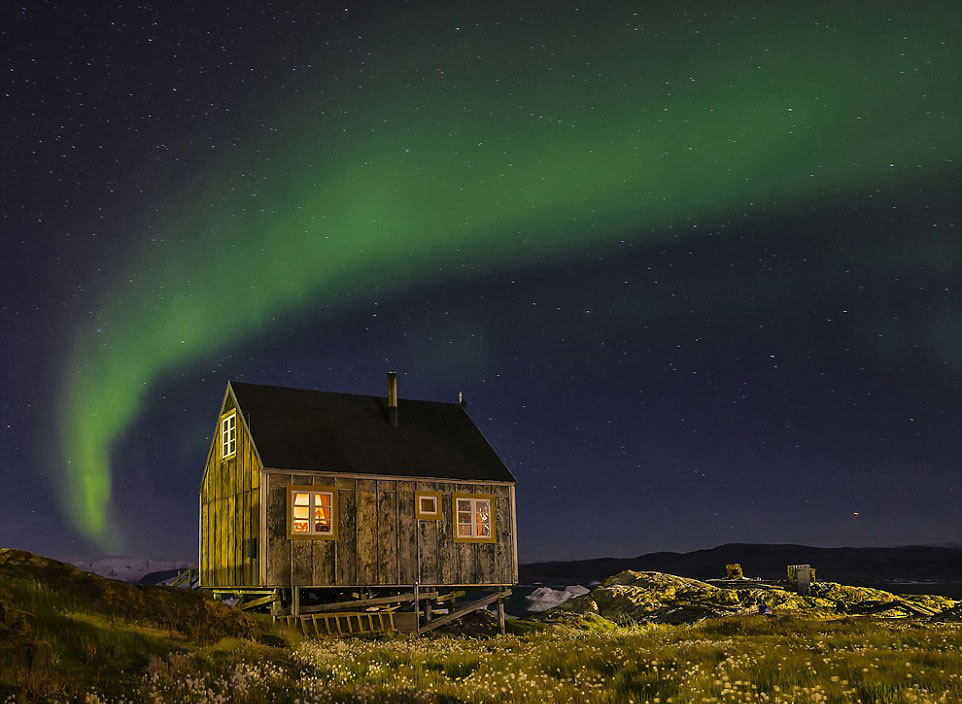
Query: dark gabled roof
[322,430]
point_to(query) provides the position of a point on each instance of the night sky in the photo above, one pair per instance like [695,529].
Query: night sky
[694,265]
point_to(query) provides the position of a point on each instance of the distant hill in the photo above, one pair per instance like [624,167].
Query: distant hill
[909,563]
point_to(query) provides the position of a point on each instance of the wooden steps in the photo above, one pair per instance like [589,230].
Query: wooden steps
[341,623]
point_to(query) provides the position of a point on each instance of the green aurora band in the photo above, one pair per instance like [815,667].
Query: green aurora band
[498,148]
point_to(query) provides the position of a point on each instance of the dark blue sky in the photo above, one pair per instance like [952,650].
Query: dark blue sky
[790,374]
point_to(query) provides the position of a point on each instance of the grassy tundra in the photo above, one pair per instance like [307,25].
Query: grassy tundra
[104,641]
[742,659]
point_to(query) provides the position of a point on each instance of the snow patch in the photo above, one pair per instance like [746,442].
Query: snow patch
[544,598]
[128,569]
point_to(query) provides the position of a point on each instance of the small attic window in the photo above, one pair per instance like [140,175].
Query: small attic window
[228,435]
[428,505]
[311,512]
[473,518]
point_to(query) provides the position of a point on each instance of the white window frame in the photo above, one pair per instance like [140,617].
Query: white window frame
[313,492]
[423,515]
[228,435]
[475,533]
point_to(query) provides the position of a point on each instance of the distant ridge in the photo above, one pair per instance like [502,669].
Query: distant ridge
[923,563]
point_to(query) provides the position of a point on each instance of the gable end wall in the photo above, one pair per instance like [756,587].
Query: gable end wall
[230,511]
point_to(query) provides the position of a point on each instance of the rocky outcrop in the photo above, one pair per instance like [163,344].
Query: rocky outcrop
[656,597]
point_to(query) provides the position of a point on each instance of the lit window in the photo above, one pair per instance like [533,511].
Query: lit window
[428,505]
[473,518]
[313,512]
[228,436]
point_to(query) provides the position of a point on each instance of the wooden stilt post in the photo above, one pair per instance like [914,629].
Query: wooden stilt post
[295,601]
[417,610]
[427,611]
[501,615]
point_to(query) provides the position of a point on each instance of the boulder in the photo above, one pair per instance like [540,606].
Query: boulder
[580,605]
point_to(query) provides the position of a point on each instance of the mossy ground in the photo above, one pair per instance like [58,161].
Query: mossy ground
[64,631]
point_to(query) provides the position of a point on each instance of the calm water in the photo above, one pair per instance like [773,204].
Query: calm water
[953,590]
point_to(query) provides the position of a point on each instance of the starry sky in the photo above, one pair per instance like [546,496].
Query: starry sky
[693,265]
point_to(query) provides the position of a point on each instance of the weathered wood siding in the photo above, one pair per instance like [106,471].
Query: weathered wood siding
[381,542]
[230,512]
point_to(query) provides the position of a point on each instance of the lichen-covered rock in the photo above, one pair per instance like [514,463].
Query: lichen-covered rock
[849,595]
[580,605]
[867,600]
[656,597]
[658,586]
[664,586]
[778,600]
[953,615]
[934,602]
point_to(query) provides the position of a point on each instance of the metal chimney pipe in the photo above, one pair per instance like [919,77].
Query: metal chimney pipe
[392,399]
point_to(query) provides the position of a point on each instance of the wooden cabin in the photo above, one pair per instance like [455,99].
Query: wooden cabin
[344,494]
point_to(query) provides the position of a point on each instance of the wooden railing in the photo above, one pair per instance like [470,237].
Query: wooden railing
[186,579]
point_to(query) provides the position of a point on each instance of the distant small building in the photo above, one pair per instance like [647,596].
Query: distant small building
[314,489]
[801,577]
